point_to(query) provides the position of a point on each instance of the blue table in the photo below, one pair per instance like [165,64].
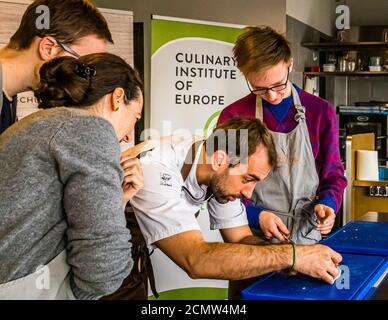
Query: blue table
[364,248]
[359,275]
[370,238]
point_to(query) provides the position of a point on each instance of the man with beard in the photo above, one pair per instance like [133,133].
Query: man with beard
[180,175]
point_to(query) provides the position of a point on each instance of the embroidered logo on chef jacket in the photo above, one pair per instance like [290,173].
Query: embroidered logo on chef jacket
[165,180]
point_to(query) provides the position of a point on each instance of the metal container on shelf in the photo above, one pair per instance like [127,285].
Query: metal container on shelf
[342,64]
[351,66]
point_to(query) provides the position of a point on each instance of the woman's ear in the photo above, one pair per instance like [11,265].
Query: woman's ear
[219,160]
[117,98]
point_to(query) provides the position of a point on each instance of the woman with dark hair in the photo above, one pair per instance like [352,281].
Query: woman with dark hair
[63,190]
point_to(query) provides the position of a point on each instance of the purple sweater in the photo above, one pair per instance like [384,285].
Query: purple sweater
[322,125]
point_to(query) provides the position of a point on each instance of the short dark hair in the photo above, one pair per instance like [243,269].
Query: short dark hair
[70,82]
[234,146]
[258,48]
[70,20]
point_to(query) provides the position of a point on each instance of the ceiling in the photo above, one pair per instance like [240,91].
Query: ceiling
[370,12]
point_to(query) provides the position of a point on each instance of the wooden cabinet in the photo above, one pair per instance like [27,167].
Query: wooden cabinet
[358,201]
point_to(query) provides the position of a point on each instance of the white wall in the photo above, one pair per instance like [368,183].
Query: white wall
[252,12]
[319,14]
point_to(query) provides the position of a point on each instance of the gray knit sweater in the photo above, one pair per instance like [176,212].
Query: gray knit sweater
[60,187]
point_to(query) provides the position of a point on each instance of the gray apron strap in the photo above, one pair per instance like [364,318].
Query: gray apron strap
[302,214]
[259,108]
[290,191]
[300,110]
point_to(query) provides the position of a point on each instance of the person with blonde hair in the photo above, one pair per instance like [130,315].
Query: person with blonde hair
[300,200]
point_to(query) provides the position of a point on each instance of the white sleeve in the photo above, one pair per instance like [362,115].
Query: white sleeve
[158,206]
[229,215]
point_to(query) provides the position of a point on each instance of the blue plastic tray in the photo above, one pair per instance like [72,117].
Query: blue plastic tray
[364,271]
[360,237]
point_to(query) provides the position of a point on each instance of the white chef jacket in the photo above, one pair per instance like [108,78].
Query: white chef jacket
[167,205]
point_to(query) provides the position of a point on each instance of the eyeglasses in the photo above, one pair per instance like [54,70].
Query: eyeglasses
[263,91]
[68,49]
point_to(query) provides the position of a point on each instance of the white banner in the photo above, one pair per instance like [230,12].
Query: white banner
[193,77]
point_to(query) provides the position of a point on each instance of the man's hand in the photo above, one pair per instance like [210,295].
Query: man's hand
[326,217]
[272,226]
[133,177]
[318,261]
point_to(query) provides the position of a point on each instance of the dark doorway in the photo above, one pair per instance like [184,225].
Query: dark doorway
[138,56]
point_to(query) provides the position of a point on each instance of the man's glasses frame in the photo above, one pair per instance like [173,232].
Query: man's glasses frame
[263,91]
[66,48]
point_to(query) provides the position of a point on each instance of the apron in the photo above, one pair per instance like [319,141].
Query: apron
[135,286]
[31,287]
[290,191]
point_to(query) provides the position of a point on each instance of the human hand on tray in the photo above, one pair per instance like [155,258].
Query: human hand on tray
[318,261]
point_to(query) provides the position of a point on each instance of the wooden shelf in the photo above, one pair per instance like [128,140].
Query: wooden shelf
[348,74]
[345,46]
[380,183]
